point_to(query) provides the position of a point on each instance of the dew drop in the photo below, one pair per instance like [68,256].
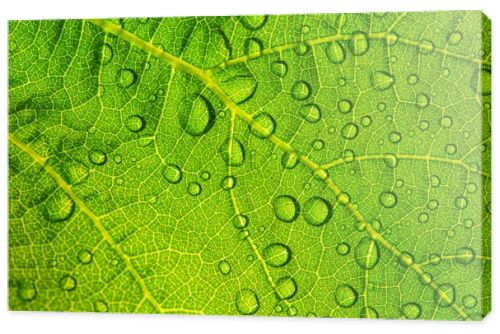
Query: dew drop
[433,204]
[345,295]
[97,157]
[310,112]
[286,208]
[388,199]
[422,101]
[391,160]
[240,221]
[423,218]
[411,311]
[335,52]
[224,267]
[412,79]
[76,172]
[394,137]
[445,296]
[172,173]
[450,149]
[455,37]
[349,130]
[247,302]
[301,90]
[117,158]
[27,290]
[135,123]
[423,125]
[199,118]
[85,256]
[426,47]
[465,255]
[382,80]
[367,253]
[194,188]
[317,211]
[205,176]
[228,182]
[318,145]
[343,248]
[434,259]
[469,301]
[232,152]
[366,121]
[253,45]
[58,207]
[100,306]
[127,77]
[302,49]
[263,125]
[461,202]
[289,160]
[67,283]
[286,287]
[435,181]
[279,68]
[344,106]
[359,43]
[406,258]
[277,254]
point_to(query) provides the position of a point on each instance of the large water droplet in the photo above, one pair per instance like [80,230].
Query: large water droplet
[279,68]
[240,221]
[172,173]
[382,80]
[198,118]
[228,182]
[67,283]
[127,77]
[301,90]
[27,290]
[317,211]
[345,295]
[76,172]
[349,130]
[286,287]
[277,254]
[263,125]
[85,256]
[97,157]
[135,123]
[388,199]
[247,302]
[289,160]
[286,208]
[335,52]
[359,43]
[58,207]
[367,253]
[311,112]
[344,106]
[233,152]
[422,101]
[411,311]
[194,188]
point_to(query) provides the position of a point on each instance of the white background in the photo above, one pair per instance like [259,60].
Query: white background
[37,322]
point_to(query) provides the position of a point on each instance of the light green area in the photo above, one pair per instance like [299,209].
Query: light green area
[294,165]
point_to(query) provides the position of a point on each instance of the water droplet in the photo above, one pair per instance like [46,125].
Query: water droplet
[366,121]
[13,46]
[84,256]
[391,160]
[301,90]
[367,253]
[279,68]
[471,188]
[394,137]
[117,158]
[382,80]
[172,173]
[247,302]
[349,131]
[240,221]
[344,106]
[450,149]
[317,211]
[277,254]
[422,101]
[263,125]
[67,283]
[27,290]
[423,125]
[76,172]
[97,157]
[434,259]
[253,22]
[224,267]
[198,118]
[205,176]
[286,208]
[425,278]
[388,199]
[359,43]
[107,53]
[433,204]
[289,160]
[465,255]
[310,112]
[343,248]
[253,45]
[135,123]
[194,188]
[406,258]
[435,181]
[228,182]
[469,301]
[345,295]
[426,47]
[302,49]
[381,106]
[100,306]
[58,207]
[445,72]
[412,79]
[445,296]
[127,77]
[368,312]
[233,152]
[318,144]
[286,287]
[455,37]
[423,217]
[461,202]
[335,52]
[411,311]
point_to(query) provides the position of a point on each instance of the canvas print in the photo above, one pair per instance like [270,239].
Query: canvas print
[318,165]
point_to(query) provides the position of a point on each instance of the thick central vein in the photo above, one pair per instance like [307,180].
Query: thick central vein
[318,171]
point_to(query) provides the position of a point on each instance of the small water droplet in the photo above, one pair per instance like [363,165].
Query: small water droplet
[388,199]
[198,117]
[194,188]
[461,202]
[97,157]
[422,101]
[279,68]
[412,79]
[406,259]
[318,144]
[469,301]
[107,53]
[382,80]
[172,173]
[411,311]
[349,130]
[205,175]
[228,182]
[289,160]
[232,152]
[335,52]
[27,290]
[117,158]
[391,160]
[367,253]
[286,208]
[286,287]
[253,45]
[277,254]
[394,137]
[423,218]
[368,312]
[344,106]
[345,295]
[76,172]
[310,112]
[85,256]
[366,121]
[224,267]
[301,90]
[426,47]
[302,49]
[343,248]
[253,22]
[127,77]
[247,302]
[445,295]
[100,306]
[58,207]
[240,221]
[317,211]
[135,123]
[465,255]
[67,283]
[455,37]
[263,125]
[450,149]
[359,43]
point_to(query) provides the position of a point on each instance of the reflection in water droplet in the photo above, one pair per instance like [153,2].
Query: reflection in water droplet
[172,173]
[247,302]
[277,254]
[345,295]
[286,208]
[317,211]
[367,253]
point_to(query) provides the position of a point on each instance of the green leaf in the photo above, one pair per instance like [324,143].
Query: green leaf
[309,165]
